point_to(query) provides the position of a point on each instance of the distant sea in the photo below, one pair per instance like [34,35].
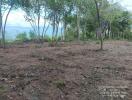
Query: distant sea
[13,31]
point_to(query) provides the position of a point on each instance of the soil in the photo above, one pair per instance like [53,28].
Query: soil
[67,71]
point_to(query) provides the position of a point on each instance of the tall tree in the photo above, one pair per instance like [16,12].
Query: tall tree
[5,8]
[36,13]
[55,14]
[0,17]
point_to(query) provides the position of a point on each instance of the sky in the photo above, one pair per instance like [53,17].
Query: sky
[127,4]
[16,18]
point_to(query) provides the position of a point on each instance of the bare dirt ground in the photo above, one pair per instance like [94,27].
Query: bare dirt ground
[72,71]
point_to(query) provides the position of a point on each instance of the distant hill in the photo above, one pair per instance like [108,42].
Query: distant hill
[13,31]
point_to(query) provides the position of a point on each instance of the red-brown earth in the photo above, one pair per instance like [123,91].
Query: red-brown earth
[68,71]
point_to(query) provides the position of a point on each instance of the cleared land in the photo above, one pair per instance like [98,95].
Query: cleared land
[72,71]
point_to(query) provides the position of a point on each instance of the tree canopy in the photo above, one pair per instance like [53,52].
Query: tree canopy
[78,19]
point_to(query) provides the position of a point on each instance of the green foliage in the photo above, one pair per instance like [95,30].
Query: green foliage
[128,36]
[51,40]
[121,23]
[47,38]
[32,35]
[88,36]
[56,39]
[97,42]
[2,89]
[60,84]
[70,35]
[22,37]
[79,18]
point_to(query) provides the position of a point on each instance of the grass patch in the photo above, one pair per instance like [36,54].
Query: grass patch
[97,42]
[2,89]
[60,84]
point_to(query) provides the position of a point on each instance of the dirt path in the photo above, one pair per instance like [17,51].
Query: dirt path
[66,72]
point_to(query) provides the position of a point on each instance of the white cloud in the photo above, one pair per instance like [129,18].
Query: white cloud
[127,4]
[16,17]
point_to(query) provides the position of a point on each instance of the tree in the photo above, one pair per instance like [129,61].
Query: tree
[67,16]
[1,17]
[77,18]
[36,12]
[55,15]
[100,31]
[5,8]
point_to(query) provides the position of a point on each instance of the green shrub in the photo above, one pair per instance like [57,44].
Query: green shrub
[97,42]
[47,38]
[59,38]
[90,35]
[22,37]
[2,89]
[32,35]
[60,84]
[128,36]
[56,39]
[70,36]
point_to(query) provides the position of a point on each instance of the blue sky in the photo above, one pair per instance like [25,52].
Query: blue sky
[16,18]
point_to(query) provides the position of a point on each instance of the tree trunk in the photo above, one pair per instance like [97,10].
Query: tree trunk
[3,32]
[98,18]
[0,20]
[57,25]
[62,34]
[78,24]
[65,31]
[44,26]
[46,30]
[53,29]
[56,35]
[39,21]
[39,26]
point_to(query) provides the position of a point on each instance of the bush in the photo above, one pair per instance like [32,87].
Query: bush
[128,36]
[70,36]
[32,35]
[22,37]
[47,39]
[97,42]
[60,84]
